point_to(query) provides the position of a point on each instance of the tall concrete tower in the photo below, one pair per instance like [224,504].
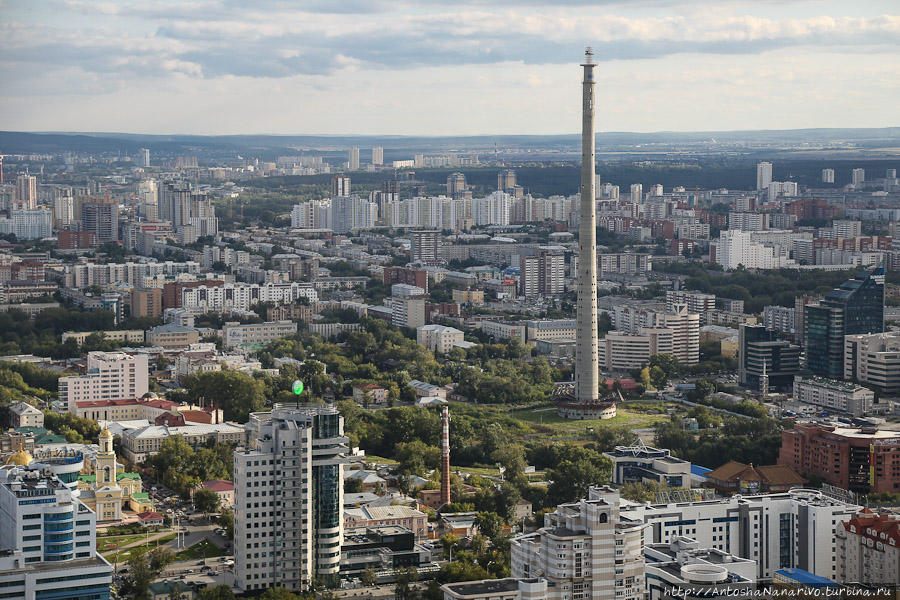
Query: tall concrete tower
[445,456]
[587,364]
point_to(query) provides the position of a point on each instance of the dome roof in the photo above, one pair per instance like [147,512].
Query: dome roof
[20,458]
[105,433]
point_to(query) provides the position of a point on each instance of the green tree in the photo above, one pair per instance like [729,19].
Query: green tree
[206,501]
[489,524]
[226,520]
[279,593]
[667,362]
[368,577]
[219,592]
[403,589]
[577,470]
[353,485]
[236,393]
[140,575]
[658,377]
[160,557]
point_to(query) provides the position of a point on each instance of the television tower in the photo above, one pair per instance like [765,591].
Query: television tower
[445,456]
[587,363]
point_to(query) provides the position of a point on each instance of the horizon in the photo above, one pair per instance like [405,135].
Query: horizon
[418,69]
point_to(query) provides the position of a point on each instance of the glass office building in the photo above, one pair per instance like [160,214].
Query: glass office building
[856,307]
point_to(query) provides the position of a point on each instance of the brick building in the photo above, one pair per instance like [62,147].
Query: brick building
[860,460]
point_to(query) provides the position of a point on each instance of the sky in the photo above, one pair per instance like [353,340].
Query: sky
[445,67]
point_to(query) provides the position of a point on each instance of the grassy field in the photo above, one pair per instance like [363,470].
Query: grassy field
[124,555]
[202,549]
[545,420]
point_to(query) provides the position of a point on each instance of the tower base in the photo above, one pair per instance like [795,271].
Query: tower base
[569,407]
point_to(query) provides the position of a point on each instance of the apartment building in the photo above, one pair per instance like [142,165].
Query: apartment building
[109,376]
[624,264]
[288,524]
[696,302]
[868,549]
[683,569]
[243,296]
[256,334]
[621,352]
[685,326]
[585,550]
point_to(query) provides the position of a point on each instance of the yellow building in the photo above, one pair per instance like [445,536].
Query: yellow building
[106,490]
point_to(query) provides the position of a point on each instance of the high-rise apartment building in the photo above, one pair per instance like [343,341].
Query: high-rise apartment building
[26,191]
[352,212]
[144,157]
[456,184]
[637,193]
[858,177]
[697,302]
[763,175]
[425,245]
[340,185]
[63,211]
[495,209]
[109,376]
[288,521]
[378,156]
[101,216]
[353,159]
[586,551]
[146,302]
[47,538]
[506,180]
[542,274]
[685,327]
[856,307]
[28,224]
[827,175]
[191,213]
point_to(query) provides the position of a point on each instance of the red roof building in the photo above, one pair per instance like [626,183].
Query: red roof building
[868,549]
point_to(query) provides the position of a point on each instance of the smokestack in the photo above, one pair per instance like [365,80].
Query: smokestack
[587,364]
[445,456]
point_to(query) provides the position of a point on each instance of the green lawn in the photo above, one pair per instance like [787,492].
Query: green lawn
[107,543]
[202,549]
[124,555]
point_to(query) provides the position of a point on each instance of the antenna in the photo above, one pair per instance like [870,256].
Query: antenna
[588,56]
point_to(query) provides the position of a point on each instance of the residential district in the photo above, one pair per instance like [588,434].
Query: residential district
[330,374]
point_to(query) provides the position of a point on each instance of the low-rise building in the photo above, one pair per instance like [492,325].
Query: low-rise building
[173,336]
[374,394]
[128,336]
[645,464]
[510,588]
[502,331]
[223,489]
[257,334]
[381,516]
[468,296]
[833,395]
[139,444]
[550,329]
[439,338]
[682,569]
[737,478]
[22,414]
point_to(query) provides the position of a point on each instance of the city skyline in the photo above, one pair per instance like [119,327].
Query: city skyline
[218,67]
